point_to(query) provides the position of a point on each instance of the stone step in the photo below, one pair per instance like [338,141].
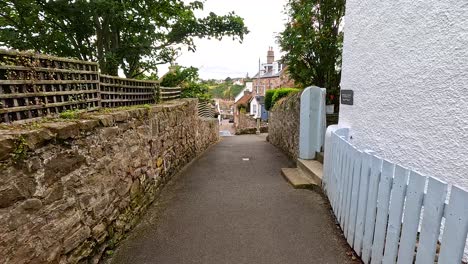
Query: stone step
[319,157]
[297,179]
[313,169]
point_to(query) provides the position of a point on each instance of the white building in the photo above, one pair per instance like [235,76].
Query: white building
[248,88]
[255,108]
[407,63]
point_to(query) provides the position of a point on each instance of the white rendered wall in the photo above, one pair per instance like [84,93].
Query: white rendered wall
[249,86]
[253,107]
[407,62]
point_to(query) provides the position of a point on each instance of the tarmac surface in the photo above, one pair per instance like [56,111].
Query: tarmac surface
[233,206]
[226,129]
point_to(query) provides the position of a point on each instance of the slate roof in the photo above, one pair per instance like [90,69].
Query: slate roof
[267,75]
[260,99]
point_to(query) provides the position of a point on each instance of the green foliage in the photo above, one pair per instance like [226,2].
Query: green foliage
[242,109]
[210,82]
[273,96]
[227,91]
[179,75]
[313,42]
[134,36]
[269,99]
[69,114]
[21,149]
[188,79]
[196,90]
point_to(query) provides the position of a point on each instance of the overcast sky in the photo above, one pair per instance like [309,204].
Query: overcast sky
[228,58]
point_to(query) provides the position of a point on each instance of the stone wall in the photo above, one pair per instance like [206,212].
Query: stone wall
[70,190]
[251,130]
[284,122]
[245,122]
[283,130]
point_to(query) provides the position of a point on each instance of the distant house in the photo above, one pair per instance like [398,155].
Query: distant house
[272,74]
[241,103]
[248,88]
[238,81]
[257,107]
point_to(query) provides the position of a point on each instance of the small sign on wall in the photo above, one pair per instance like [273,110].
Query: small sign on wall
[347,97]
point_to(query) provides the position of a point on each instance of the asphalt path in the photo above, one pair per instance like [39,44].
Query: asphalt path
[233,206]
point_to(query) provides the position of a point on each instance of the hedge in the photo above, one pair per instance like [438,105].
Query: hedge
[272,96]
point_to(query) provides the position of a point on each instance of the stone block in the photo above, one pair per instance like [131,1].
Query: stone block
[82,252]
[7,146]
[61,165]
[32,204]
[110,132]
[75,239]
[99,231]
[37,138]
[121,116]
[54,193]
[135,189]
[87,125]
[64,130]
[9,195]
[105,120]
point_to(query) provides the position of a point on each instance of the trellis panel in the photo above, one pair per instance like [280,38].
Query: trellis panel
[33,86]
[118,92]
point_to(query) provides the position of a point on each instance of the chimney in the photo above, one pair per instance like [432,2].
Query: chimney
[270,55]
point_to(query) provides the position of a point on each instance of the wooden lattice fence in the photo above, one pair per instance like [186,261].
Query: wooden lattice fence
[205,110]
[34,85]
[169,93]
[116,92]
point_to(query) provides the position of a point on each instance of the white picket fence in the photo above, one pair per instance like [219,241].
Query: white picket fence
[389,214]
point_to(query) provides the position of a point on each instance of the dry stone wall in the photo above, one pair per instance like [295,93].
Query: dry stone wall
[283,126]
[69,191]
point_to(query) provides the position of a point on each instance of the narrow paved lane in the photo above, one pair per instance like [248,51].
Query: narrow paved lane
[233,206]
[226,129]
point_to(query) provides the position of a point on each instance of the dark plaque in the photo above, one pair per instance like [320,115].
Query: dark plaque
[347,97]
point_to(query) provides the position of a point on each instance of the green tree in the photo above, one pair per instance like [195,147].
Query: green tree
[179,76]
[312,42]
[134,36]
[189,80]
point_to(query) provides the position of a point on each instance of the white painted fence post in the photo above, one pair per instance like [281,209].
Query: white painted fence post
[312,122]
